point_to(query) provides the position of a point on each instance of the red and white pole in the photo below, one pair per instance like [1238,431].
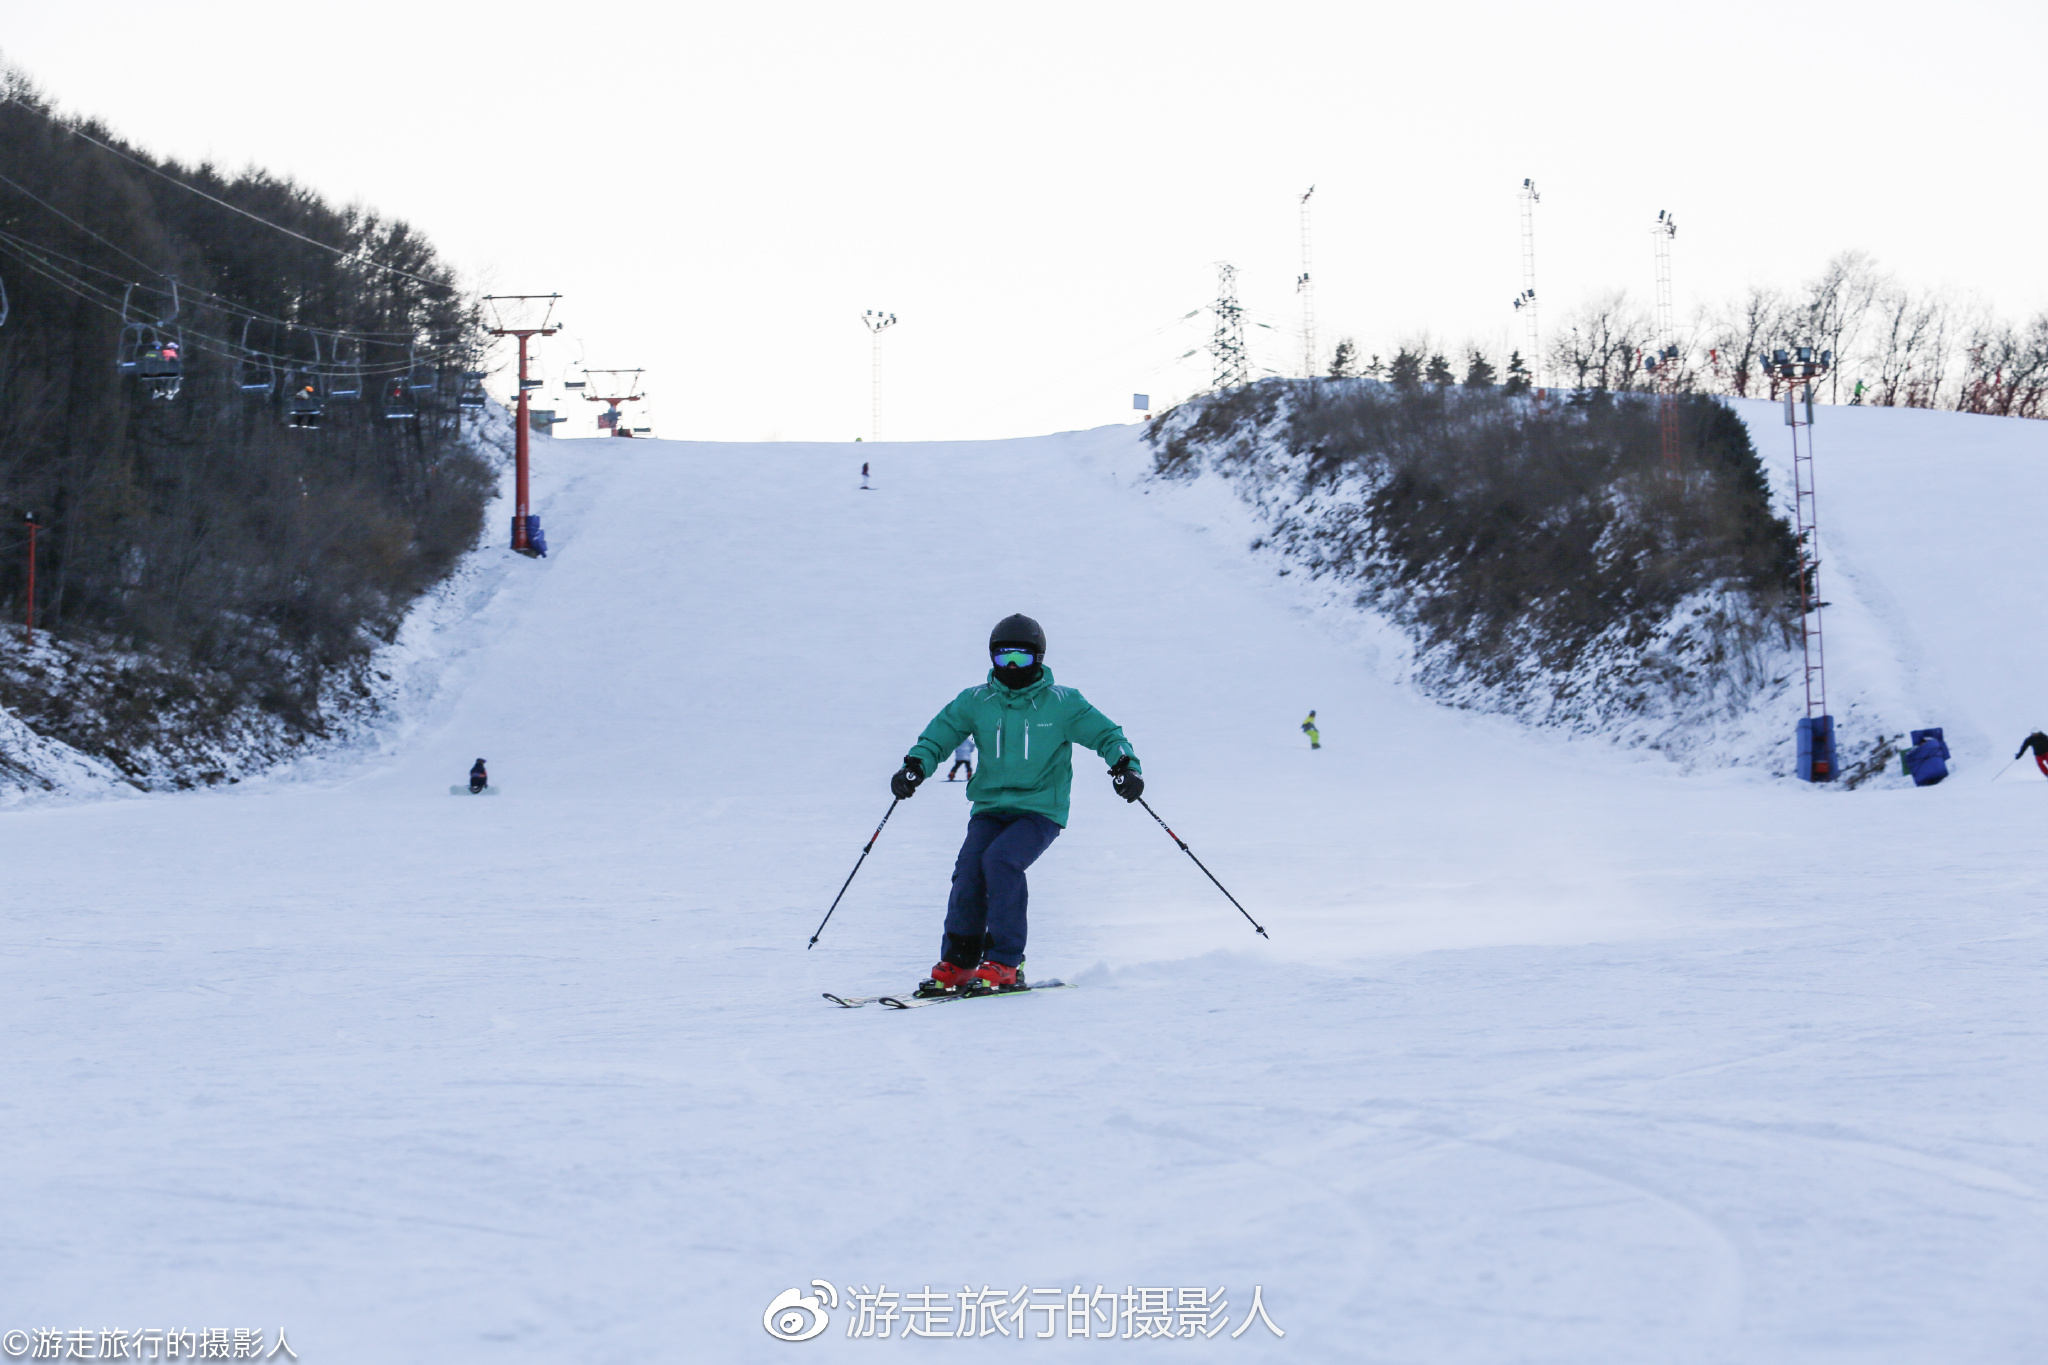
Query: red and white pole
[522,502]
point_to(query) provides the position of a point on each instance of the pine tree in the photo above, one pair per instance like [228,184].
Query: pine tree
[1479,373]
[1518,375]
[1406,371]
[1375,368]
[1439,371]
[1344,360]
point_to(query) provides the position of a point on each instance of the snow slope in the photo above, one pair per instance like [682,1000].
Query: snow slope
[1555,1055]
[1931,564]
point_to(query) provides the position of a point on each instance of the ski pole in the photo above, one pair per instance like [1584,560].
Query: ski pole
[1205,871]
[2001,772]
[856,868]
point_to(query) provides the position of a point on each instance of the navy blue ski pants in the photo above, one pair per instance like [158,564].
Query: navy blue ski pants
[989,893]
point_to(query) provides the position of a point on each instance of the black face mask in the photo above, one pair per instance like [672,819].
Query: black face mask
[1015,678]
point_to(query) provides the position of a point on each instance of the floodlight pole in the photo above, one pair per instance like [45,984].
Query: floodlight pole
[522,499]
[877,322]
[33,527]
[1664,365]
[1797,369]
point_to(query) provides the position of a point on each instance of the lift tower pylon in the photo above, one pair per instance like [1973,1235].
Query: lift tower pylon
[522,501]
[610,419]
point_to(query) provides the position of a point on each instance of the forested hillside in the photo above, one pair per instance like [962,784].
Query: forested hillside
[236,410]
[1543,559]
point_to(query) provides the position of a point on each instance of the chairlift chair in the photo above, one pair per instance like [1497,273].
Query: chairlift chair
[421,376]
[305,392]
[346,381]
[254,372]
[305,407]
[398,400]
[152,349]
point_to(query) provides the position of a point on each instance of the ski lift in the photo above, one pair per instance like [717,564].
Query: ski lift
[305,391]
[254,372]
[346,381]
[420,375]
[575,385]
[399,404]
[152,349]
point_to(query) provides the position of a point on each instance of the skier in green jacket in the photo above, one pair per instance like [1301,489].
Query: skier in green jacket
[1022,721]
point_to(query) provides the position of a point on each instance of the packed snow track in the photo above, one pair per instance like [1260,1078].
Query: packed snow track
[1555,1054]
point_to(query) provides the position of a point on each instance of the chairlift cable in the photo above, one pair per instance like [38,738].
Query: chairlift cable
[35,257]
[198,340]
[80,226]
[219,302]
[234,208]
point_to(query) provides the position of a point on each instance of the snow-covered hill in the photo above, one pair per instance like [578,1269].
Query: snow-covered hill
[1556,1054]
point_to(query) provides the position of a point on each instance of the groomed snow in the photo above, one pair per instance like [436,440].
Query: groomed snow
[1555,1054]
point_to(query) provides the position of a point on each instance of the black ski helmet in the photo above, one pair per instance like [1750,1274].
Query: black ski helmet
[1019,630]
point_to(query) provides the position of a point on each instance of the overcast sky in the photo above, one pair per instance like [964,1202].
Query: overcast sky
[1039,191]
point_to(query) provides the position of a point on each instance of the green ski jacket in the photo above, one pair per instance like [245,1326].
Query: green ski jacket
[1023,737]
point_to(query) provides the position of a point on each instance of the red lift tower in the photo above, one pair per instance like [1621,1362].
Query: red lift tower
[525,526]
[611,419]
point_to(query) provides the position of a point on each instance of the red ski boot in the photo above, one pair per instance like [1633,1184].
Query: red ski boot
[946,977]
[992,975]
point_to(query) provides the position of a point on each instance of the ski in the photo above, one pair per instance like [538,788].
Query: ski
[911,1001]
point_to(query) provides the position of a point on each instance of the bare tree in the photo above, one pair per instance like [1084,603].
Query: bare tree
[2005,369]
[1738,335]
[1907,347]
[1600,344]
[1832,314]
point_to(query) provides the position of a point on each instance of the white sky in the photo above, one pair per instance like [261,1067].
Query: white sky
[1038,190]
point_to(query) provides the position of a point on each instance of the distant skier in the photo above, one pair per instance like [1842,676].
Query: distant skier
[1315,736]
[478,778]
[1020,797]
[2038,742]
[863,474]
[963,757]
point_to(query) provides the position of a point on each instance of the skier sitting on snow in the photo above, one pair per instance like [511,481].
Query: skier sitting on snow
[1023,723]
[963,757]
[478,778]
[2038,742]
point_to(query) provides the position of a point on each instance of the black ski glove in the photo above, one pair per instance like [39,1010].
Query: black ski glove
[904,783]
[1128,784]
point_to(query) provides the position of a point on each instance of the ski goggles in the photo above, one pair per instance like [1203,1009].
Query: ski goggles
[1014,658]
